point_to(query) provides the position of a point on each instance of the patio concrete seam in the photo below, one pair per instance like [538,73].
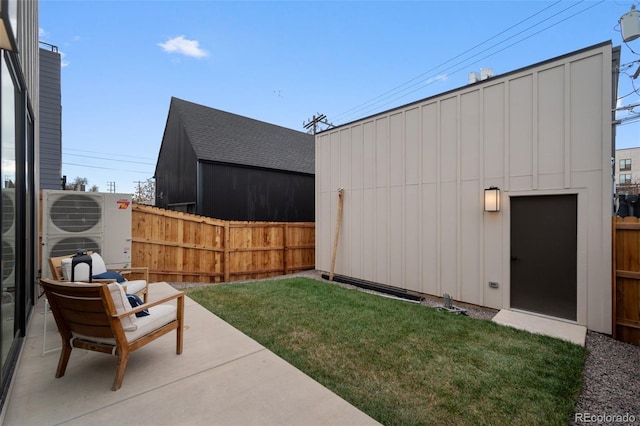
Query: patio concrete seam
[113,404]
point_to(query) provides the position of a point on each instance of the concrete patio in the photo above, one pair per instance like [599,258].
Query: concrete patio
[223,377]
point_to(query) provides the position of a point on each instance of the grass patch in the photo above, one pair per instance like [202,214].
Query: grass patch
[403,363]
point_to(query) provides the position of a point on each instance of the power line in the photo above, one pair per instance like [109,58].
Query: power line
[404,92]
[105,153]
[431,80]
[313,124]
[488,56]
[110,159]
[421,85]
[629,120]
[442,64]
[107,168]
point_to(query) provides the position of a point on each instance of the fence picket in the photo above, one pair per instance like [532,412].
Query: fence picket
[626,279]
[182,247]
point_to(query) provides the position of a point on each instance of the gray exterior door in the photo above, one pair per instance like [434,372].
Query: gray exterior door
[544,254]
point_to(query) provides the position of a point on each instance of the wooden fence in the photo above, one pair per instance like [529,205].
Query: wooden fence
[626,279]
[181,247]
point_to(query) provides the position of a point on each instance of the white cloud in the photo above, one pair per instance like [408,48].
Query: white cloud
[63,62]
[42,32]
[441,77]
[183,46]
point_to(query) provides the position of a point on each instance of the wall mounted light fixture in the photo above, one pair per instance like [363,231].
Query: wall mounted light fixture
[492,199]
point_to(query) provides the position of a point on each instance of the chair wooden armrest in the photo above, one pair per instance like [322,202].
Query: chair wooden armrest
[177,296]
[137,270]
[55,266]
[134,269]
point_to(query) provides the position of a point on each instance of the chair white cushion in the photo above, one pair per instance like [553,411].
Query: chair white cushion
[134,286]
[159,315]
[121,302]
[97,264]
[82,270]
[65,266]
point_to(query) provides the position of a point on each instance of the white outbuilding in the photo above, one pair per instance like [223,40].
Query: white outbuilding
[418,183]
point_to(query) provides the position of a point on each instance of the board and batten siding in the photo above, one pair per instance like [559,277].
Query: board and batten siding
[414,179]
[50,120]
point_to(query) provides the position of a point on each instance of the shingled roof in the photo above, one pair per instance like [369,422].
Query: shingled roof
[229,138]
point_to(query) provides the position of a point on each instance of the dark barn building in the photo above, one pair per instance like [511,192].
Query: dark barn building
[225,166]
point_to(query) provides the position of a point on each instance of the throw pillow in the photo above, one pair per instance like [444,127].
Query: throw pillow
[135,300]
[111,275]
[97,264]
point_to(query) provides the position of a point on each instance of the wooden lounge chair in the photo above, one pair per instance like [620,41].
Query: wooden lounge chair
[98,317]
[135,286]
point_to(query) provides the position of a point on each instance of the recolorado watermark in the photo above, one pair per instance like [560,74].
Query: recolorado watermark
[625,418]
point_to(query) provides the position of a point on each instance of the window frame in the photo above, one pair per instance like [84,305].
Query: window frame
[626,162]
[627,179]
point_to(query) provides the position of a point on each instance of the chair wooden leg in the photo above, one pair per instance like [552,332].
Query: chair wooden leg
[179,339]
[123,358]
[64,359]
[180,330]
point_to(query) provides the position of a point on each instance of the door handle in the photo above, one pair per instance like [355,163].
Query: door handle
[514,258]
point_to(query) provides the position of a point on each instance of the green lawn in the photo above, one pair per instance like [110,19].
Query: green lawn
[404,363]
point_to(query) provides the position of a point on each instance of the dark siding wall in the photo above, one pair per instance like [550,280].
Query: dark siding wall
[176,168]
[50,120]
[241,193]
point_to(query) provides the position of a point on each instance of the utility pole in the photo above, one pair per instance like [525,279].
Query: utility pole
[312,124]
[112,187]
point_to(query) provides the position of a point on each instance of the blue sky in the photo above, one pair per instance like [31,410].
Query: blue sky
[282,62]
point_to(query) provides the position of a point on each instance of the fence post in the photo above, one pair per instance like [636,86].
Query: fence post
[614,280]
[337,234]
[227,254]
[180,249]
[285,248]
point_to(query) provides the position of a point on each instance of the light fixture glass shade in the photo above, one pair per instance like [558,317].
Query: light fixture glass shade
[5,43]
[8,24]
[492,199]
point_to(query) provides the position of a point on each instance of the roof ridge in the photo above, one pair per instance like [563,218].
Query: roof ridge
[225,137]
[184,101]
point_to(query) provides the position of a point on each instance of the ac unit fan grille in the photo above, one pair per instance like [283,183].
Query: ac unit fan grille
[75,213]
[8,213]
[8,261]
[71,245]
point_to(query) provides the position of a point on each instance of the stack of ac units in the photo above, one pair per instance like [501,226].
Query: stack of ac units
[92,221]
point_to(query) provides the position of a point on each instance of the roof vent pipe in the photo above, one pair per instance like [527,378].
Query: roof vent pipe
[486,73]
